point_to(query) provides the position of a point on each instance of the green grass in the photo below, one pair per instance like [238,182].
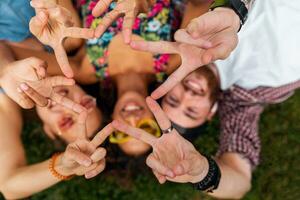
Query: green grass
[278,176]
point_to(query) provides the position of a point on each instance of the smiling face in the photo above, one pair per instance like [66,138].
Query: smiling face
[131,108]
[61,121]
[189,103]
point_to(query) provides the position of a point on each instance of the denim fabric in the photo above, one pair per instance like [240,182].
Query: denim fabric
[14,19]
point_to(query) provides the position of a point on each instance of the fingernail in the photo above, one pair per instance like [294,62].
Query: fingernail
[87,176]
[24,86]
[87,163]
[170,174]
[19,90]
[207,44]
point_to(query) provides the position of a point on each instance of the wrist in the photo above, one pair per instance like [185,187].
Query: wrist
[60,168]
[233,17]
[203,167]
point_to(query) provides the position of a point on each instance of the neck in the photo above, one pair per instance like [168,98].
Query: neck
[131,82]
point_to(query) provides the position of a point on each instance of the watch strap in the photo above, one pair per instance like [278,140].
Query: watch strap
[237,6]
[211,181]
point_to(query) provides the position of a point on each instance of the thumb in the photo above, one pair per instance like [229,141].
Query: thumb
[37,23]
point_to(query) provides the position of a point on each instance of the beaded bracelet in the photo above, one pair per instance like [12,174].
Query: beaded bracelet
[53,171]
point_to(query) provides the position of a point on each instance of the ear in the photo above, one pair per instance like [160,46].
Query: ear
[49,132]
[213,111]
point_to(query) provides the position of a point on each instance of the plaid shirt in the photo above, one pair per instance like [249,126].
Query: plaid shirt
[240,111]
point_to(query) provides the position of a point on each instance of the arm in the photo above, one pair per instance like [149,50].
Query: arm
[185,164]
[14,175]
[6,55]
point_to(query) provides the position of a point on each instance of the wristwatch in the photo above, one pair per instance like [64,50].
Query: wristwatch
[237,6]
[211,181]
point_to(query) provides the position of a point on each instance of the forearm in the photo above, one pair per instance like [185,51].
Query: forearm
[53,67]
[235,177]
[17,184]
[6,56]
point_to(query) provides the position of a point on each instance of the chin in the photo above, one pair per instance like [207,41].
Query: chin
[134,147]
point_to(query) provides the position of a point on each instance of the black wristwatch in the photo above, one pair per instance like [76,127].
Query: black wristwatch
[237,6]
[212,179]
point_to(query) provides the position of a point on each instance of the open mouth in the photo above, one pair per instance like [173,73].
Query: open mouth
[66,123]
[131,107]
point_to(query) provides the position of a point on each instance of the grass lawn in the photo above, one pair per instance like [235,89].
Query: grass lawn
[278,176]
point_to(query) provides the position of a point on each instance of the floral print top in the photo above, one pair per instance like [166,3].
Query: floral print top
[159,23]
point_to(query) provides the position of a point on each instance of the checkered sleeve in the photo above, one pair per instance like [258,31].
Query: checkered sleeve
[239,131]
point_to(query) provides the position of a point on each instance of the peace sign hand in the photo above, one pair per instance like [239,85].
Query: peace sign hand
[129,8]
[85,157]
[51,25]
[26,83]
[173,158]
[192,58]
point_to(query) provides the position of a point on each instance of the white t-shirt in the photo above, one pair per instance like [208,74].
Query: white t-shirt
[268,53]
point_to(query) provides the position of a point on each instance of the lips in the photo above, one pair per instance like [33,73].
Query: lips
[66,123]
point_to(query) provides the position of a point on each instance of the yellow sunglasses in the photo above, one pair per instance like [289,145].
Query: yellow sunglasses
[148,125]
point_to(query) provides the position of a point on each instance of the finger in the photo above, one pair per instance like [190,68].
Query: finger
[24,101]
[34,96]
[96,171]
[62,60]
[98,155]
[157,166]
[102,135]
[156,47]
[66,102]
[43,4]
[38,22]
[220,52]
[106,21]
[101,7]
[39,65]
[127,26]
[209,23]
[158,113]
[224,43]
[81,124]
[62,15]
[135,132]
[182,168]
[77,156]
[75,32]
[161,179]
[60,81]
[183,37]
[171,82]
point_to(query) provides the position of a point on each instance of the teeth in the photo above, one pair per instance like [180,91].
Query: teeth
[132,108]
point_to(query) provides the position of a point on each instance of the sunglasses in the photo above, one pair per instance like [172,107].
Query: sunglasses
[148,125]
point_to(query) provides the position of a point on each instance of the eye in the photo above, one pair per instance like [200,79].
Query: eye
[172,101]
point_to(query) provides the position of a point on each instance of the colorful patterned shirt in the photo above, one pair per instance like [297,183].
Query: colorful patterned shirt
[159,23]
